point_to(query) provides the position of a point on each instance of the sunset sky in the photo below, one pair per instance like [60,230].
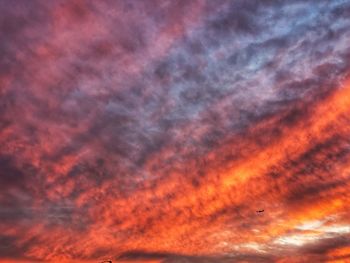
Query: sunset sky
[152,131]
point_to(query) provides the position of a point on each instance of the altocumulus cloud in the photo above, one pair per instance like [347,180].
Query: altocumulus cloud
[154,130]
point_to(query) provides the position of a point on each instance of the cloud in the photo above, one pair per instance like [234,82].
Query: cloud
[129,128]
[169,257]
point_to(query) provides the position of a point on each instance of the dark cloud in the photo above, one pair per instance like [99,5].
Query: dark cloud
[10,174]
[170,257]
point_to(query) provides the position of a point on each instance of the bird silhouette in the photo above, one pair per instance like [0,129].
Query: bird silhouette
[260,211]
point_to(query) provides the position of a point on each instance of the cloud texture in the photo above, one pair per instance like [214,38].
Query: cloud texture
[152,131]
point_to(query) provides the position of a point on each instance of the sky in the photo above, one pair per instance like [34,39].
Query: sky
[153,131]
